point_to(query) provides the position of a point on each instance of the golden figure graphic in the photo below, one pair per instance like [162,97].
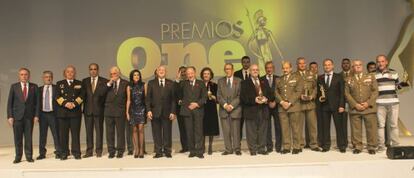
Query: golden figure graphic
[262,39]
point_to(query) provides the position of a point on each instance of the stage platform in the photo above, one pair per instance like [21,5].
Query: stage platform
[307,164]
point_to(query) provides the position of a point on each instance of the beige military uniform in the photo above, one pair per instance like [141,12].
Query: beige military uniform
[289,88]
[309,108]
[359,89]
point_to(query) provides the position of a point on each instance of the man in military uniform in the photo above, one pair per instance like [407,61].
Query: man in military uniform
[361,92]
[288,92]
[69,112]
[307,101]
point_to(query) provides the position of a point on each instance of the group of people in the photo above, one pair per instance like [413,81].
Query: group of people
[301,104]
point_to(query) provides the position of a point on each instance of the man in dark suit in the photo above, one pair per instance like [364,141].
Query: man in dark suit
[194,95]
[160,104]
[47,115]
[94,92]
[271,78]
[243,74]
[180,78]
[333,105]
[69,113]
[115,113]
[22,111]
[255,95]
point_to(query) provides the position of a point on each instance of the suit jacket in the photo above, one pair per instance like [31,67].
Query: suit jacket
[20,109]
[362,90]
[115,102]
[248,98]
[230,96]
[196,93]
[272,89]
[239,74]
[309,84]
[54,94]
[160,100]
[289,91]
[335,93]
[178,91]
[65,94]
[94,102]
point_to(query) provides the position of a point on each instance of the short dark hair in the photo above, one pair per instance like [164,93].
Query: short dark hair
[346,59]
[48,72]
[230,64]
[94,64]
[245,57]
[371,63]
[25,69]
[268,63]
[181,67]
[207,69]
[313,62]
[328,59]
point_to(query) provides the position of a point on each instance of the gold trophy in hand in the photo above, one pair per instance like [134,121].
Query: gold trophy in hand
[322,98]
[305,95]
[262,99]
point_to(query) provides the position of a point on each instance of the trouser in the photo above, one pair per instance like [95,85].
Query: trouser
[326,129]
[256,131]
[309,119]
[194,130]
[92,123]
[370,122]
[72,125]
[183,133]
[48,120]
[231,134]
[128,136]
[23,129]
[388,118]
[118,124]
[161,132]
[290,124]
[278,131]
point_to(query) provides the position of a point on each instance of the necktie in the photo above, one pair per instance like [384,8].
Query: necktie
[116,87]
[93,85]
[228,83]
[70,82]
[270,80]
[257,86]
[328,81]
[246,75]
[25,91]
[47,98]
[161,83]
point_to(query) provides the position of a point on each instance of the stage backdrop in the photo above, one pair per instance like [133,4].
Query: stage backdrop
[50,34]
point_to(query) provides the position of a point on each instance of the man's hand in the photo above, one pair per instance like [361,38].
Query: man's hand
[359,107]
[10,121]
[365,105]
[193,106]
[341,109]
[285,105]
[172,117]
[178,75]
[149,115]
[272,104]
[69,105]
[36,119]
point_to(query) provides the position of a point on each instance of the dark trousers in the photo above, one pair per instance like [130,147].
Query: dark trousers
[92,123]
[23,129]
[128,137]
[241,126]
[72,125]
[278,131]
[48,120]
[183,133]
[118,124]
[161,132]
[256,131]
[345,126]
[326,129]
[194,129]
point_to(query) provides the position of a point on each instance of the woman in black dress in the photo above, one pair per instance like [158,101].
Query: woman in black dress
[210,121]
[136,111]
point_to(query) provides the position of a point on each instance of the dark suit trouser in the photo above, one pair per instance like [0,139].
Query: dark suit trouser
[92,123]
[231,133]
[241,126]
[23,129]
[256,131]
[183,133]
[128,136]
[278,131]
[48,120]
[194,129]
[72,125]
[326,129]
[345,116]
[118,124]
[161,132]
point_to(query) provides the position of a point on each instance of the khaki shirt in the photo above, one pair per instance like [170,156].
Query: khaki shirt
[361,90]
[289,90]
[309,86]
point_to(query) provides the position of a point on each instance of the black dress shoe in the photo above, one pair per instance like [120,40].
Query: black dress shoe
[40,157]
[78,157]
[17,161]
[296,151]
[356,151]
[63,158]
[226,153]
[87,155]
[168,155]
[183,151]
[130,152]
[191,155]
[158,155]
[300,150]
[111,155]
[284,151]
[252,153]
[371,152]
[316,149]
[201,156]
[238,153]
[278,150]
[98,155]
[263,152]
[342,150]
[57,156]
[325,149]
[306,146]
[136,156]
[119,155]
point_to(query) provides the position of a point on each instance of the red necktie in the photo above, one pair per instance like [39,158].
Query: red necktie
[25,91]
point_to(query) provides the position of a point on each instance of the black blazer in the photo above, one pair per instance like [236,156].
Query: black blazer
[190,94]
[239,74]
[160,100]
[67,94]
[335,94]
[94,103]
[248,97]
[20,109]
[54,103]
[115,103]
[272,89]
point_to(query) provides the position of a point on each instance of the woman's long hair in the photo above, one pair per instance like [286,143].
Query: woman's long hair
[131,78]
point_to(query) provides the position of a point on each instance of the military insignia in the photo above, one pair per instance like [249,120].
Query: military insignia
[368,80]
[79,100]
[61,86]
[292,81]
[77,87]
[61,91]
[60,100]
